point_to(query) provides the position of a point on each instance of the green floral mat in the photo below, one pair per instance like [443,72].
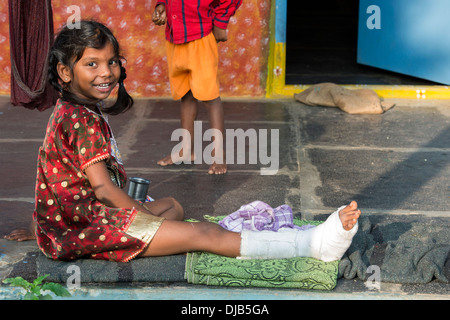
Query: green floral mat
[300,273]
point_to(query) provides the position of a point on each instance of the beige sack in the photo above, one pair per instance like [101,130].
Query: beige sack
[358,101]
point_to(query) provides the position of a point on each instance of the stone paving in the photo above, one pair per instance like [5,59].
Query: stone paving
[396,165]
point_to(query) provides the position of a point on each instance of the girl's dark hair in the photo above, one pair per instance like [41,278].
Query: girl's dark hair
[70,44]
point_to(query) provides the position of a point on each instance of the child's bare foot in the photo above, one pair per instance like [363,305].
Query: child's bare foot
[172,159]
[217,168]
[20,235]
[166,161]
[349,215]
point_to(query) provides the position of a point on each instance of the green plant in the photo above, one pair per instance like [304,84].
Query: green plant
[36,289]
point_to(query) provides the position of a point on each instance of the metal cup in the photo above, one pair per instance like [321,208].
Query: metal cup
[138,188]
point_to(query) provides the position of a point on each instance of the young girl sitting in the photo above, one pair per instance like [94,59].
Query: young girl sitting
[81,209]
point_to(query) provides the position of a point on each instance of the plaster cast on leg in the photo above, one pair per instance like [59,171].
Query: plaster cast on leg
[330,240]
[327,242]
[269,244]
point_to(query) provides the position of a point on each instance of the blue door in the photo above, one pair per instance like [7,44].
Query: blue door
[411,37]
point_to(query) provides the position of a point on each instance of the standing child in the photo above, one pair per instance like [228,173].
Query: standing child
[81,209]
[193,29]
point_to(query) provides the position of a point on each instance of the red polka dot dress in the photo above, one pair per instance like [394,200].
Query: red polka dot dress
[71,222]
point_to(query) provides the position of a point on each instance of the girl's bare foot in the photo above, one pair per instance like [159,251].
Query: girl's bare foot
[349,215]
[20,235]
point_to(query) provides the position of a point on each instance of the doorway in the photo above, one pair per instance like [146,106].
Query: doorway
[321,46]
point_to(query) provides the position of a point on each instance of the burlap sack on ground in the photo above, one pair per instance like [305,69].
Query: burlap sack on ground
[358,101]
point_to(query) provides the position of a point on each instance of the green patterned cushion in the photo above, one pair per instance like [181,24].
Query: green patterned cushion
[303,273]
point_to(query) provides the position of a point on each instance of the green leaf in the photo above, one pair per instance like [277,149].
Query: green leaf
[39,280]
[36,290]
[57,289]
[30,296]
[18,282]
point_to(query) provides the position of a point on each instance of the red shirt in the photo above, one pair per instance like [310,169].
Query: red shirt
[189,20]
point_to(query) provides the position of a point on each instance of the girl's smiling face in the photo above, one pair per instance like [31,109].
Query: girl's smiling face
[94,76]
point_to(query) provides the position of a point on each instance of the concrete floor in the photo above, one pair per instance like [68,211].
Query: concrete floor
[396,166]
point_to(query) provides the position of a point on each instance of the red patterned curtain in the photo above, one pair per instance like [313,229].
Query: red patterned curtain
[31,37]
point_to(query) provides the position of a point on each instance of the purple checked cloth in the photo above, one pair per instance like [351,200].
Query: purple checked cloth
[258,216]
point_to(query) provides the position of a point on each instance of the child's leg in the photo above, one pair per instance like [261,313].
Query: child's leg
[189,110]
[216,121]
[175,237]
[327,242]
[168,208]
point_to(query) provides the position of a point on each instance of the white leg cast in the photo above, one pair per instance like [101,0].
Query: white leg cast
[330,240]
[326,242]
[269,244]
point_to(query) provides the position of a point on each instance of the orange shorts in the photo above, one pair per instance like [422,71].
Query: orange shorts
[194,66]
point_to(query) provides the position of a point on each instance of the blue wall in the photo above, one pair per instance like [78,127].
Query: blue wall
[406,36]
